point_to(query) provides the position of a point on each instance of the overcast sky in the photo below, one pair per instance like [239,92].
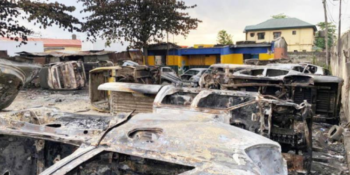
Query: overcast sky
[232,16]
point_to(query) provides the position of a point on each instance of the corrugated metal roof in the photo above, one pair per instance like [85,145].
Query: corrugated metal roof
[49,42]
[284,23]
[65,53]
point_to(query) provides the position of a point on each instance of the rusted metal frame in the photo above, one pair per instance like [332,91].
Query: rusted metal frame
[40,150]
[250,84]
[307,116]
[75,159]
[241,105]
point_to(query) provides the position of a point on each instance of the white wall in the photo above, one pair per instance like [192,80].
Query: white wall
[12,47]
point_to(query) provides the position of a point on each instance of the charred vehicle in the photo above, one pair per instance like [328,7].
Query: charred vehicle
[217,73]
[35,139]
[63,76]
[287,123]
[303,68]
[50,142]
[13,76]
[129,74]
[291,82]
[192,76]
[322,92]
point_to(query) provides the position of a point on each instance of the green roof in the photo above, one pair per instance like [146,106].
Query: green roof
[284,23]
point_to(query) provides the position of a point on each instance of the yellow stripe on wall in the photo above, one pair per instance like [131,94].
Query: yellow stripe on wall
[209,60]
[151,61]
[265,56]
[172,60]
[232,59]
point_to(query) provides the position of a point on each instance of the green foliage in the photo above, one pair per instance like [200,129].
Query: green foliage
[41,13]
[279,16]
[138,22]
[320,40]
[224,38]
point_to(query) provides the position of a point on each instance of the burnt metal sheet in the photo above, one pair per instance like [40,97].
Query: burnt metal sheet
[65,53]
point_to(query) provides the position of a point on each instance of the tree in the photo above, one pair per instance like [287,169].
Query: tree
[138,22]
[279,16]
[320,36]
[224,38]
[41,13]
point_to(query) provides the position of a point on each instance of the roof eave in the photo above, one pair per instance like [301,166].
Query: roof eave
[279,28]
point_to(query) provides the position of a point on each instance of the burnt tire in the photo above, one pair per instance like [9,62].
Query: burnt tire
[335,133]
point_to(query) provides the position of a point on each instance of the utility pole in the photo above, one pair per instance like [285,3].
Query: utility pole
[326,32]
[339,31]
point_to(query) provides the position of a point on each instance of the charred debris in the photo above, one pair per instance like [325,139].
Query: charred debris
[240,119]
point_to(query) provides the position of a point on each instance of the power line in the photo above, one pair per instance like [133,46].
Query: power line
[330,14]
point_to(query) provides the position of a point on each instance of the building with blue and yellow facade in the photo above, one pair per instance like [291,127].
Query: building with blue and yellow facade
[184,58]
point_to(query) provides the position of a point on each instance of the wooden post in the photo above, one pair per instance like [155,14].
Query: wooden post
[326,32]
[339,32]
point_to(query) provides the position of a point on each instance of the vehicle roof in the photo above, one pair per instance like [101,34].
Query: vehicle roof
[285,66]
[191,140]
[99,69]
[230,66]
[199,69]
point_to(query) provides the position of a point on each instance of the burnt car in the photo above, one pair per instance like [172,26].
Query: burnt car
[51,142]
[291,82]
[166,75]
[191,77]
[287,123]
[129,74]
[217,73]
[322,92]
[68,75]
[303,68]
[13,76]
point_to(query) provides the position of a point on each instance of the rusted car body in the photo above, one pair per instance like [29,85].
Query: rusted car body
[130,74]
[287,123]
[35,139]
[13,76]
[323,92]
[63,76]
[291,82]
[50,142]
[191,77]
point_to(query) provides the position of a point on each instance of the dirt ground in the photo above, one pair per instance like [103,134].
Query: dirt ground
[329,157]
[67,101]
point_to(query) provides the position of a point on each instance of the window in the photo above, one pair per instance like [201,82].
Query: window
[294,32]
[261,36]
[167,70]
[298,68]
[252,35]
[276,35]
[192,72]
